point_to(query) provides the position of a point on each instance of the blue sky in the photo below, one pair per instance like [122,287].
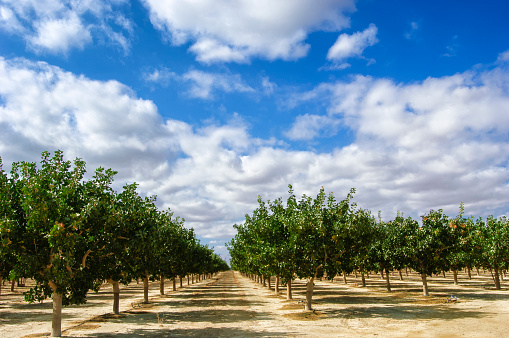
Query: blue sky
[209,103]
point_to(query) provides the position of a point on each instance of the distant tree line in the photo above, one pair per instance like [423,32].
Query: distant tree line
[70,234]
[321,238]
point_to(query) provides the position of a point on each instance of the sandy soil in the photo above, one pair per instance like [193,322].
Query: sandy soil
[232,305]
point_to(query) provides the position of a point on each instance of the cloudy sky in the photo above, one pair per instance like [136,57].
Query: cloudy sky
[209,103]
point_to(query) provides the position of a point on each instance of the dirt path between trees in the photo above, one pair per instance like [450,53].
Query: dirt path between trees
[231,305]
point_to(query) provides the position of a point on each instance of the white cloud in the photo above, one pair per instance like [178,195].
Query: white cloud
[60,35]
[202,84]
[353,45]
[226,31]
[160,76]
[57,26]
[45,108]
[503,57]
[268,86]
[308,127]
[424,145]
[417,146]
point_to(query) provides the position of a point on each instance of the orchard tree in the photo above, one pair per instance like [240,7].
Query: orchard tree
[317,238]
[493,239]
[7,214]
[140,219]
[429,244]
[52,239]
[363,234]
[460,242]
[390,247]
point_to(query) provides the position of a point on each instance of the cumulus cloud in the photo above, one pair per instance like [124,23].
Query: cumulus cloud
[46,108]
[417,146]
[226,31]
[57,26]
[353,45]
[425,145]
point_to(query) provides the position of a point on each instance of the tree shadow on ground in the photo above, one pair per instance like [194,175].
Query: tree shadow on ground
[406,312]
[183,332]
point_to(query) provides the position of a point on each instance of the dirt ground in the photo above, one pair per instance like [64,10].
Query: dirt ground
[231,305]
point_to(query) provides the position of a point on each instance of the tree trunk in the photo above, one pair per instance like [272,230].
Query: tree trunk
[276,286]
[264,283]
[424,284]
[309,294]
[477,269]
[469,273]
[12,285]
[56,321]
[187,279]
[180,281]
[161,285]
[192,278]
[174,284]
[145,288]
[116,296]
[289,289]
[344,278]
[268,282]
[387,280]
[496,279]
[400,275]
[381,274]
[363,279]
[1,281]
[406,271]
[443,274]
[455,276]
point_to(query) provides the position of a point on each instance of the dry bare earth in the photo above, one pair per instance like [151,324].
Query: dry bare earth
[232,305]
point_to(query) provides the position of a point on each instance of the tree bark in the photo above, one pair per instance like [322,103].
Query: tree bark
[363,279]
[309,294]
[387,280]
[12,285]
[187,279]
[344,278]
[116,296]
[174,284]
[161,285]
[1,281]
[56,321]
[268,282]
[455,276]
[382,274]
[276,286]
[180,281]
[400,275]
[496,279]
[145,288]
[469,273]
[424,284]
[289,289]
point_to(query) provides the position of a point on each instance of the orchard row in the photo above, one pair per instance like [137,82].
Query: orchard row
[70,234]
[321,237]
